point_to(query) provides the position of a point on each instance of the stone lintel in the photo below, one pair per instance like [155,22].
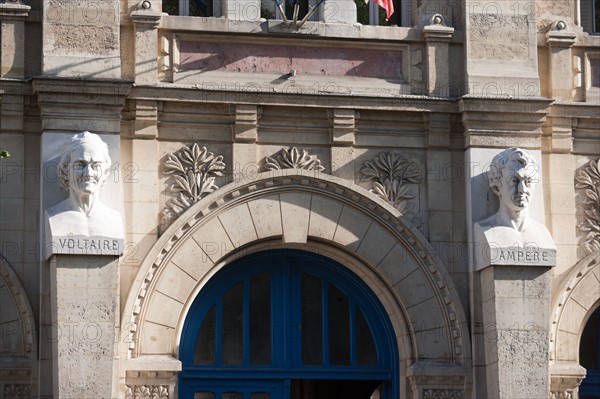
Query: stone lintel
[503,122]
[438,33]
[16,10]
[565,376]
[146,19]
[79,105]
[561,39]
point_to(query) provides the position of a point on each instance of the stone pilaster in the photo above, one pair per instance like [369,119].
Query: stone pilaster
[437,36]
[560,41]
[12,45]
[146,22]
[516,320]
[85,314]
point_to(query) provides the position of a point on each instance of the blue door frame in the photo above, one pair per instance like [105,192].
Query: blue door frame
[285,268]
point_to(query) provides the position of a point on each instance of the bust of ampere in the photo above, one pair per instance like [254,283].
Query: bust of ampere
[83,169]
[511,234]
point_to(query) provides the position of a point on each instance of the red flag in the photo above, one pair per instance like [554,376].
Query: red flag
[387,5]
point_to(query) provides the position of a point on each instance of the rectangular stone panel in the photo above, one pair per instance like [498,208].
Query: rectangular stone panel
[281,59]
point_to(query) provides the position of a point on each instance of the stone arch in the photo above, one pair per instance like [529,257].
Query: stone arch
[577,297]
[317,212]
[16,316]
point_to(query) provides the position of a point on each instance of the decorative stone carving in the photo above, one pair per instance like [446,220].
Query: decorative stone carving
[17,391]
[293,158]
[147,392]
[82,224]
[561,395]
[392,174]
[588,181]
[442,394]
[194,171]
[510,236]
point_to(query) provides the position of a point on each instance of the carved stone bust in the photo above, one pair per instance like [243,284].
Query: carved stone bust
[82,224]
[511,236]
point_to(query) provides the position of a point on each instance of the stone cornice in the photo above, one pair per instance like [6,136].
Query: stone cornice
[14,10]
[195,93]
[503,122]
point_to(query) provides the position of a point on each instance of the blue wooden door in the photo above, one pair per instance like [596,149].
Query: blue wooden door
[589,356]
[287,324]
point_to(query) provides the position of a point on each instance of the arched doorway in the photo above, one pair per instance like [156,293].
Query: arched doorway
[589,357]
[287,324]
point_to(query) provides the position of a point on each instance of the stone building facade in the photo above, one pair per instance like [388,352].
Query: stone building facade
[326,173]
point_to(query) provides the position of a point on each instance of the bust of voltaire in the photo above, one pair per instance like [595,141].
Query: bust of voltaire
[83,169]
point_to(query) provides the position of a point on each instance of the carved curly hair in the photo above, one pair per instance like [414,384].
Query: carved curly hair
[76,141]
[512,154]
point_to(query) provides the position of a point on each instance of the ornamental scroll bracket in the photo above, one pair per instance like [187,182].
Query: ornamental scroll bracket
[292,158]
[392,175]
[194,171]
[587,180]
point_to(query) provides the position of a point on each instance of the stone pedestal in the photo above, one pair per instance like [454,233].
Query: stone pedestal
[516,319]
[85,316]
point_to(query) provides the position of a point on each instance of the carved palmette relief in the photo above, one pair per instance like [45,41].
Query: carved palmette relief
[17,391]
[194,171]
[442,394]
[293,158]
[587,180]
[146,392]
[392,174]
[561,395]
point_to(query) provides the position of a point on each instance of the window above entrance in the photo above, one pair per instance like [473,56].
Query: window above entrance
[287,322]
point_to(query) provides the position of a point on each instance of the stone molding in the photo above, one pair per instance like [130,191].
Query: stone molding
[292,158]
[587,181]
[392,175]
[17,391]
[147,392]
[194,171]
[568,316]
[294,183]
[565,378]
[14,10]
[434,380]
[26,320]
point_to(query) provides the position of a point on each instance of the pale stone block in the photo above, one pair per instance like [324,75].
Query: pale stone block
[213,240]
[572,315]
[440,226]
[143,186]
[588,290]
[376,244]
[563,229]
[142,218]
[295,211]
[192,259]
[156,339]
[144,155]
[425,315]
[246,10]
[414,288]
[324,215]
[433,344]
[266,214]
[176,283]
[11,343]
[156,310]
[8,311]
[12,213]
[351,228]
[397,264]
[238,224]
